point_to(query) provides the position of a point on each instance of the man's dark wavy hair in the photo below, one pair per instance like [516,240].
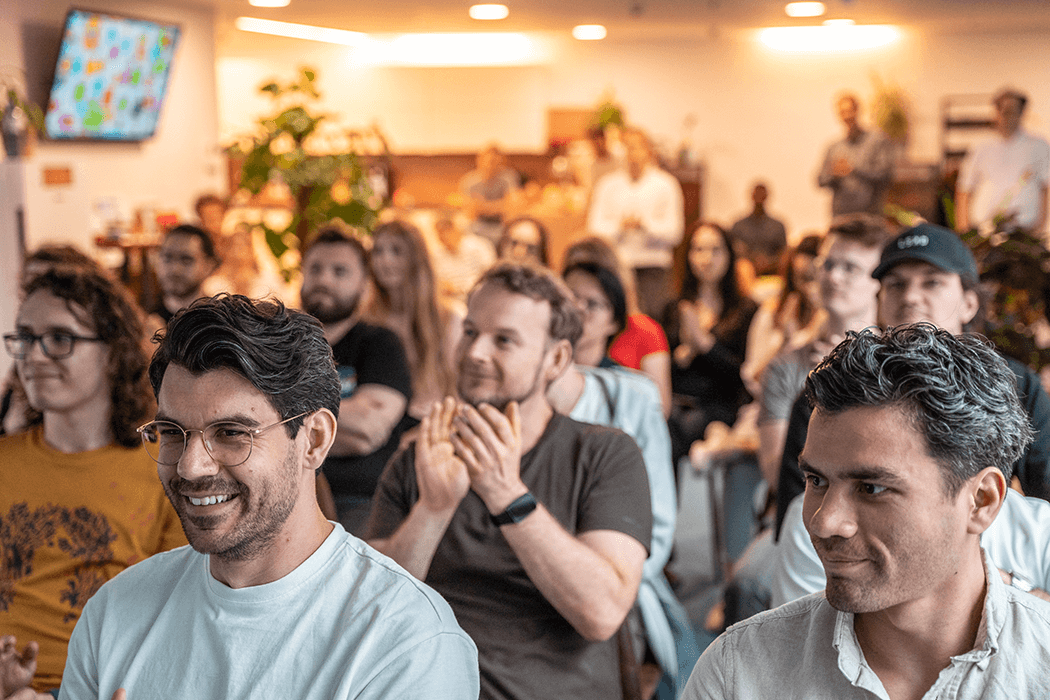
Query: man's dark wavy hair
[282,352]
[103,304]
[959,392]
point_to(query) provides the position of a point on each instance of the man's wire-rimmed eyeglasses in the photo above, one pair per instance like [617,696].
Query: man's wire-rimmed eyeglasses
[54,344]
[229,443]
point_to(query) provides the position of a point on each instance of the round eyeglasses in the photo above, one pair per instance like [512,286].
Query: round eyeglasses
[54,344]
[229,443]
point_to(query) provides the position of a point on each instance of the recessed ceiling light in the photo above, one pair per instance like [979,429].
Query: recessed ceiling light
[588,32]
[489,11]
[804,9]
[838,23]
[269,3]
[300,31]
[829,38]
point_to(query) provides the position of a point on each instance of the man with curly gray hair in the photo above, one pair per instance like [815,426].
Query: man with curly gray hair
[907,461]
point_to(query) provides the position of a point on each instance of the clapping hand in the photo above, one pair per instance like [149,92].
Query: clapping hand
[489,444]
[440,474]
[16,670]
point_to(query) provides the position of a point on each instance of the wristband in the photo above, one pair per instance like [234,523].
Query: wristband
[517,511]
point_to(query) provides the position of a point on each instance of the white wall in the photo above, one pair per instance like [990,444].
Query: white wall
[168,172]
[758,114]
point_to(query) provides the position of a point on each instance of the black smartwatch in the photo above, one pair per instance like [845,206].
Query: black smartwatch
[517,511]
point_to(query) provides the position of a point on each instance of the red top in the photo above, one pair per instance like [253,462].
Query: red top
[643,336]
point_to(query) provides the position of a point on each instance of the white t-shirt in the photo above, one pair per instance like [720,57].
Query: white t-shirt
[346,623]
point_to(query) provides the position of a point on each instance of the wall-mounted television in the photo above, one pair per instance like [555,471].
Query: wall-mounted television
[110,78]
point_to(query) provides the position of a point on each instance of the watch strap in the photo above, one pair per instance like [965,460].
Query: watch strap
[1021,583]
[517,511]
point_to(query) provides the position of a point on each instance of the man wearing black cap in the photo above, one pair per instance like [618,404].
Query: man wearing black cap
[928,274]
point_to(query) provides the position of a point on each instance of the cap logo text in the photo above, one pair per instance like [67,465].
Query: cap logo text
[917,240]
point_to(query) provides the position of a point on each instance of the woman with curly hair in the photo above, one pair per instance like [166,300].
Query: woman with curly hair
[406,301]
[79,497]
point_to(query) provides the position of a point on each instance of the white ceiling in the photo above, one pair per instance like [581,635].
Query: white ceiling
[641,18]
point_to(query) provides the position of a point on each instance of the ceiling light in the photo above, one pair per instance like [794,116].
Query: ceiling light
[804,9]
[829,38]
[489,11]
[838,23]
[588,32]
[300,31]
[268,3]
[458,49]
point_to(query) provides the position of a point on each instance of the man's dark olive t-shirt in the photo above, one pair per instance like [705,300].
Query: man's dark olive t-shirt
[589,478]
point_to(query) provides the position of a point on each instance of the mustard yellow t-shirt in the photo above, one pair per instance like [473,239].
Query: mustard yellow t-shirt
[68,524]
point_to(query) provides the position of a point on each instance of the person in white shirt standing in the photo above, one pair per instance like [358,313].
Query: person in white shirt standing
[639,209]
[1003,182]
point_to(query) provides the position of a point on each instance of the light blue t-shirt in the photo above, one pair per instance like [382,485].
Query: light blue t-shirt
[630,401]
[346,623]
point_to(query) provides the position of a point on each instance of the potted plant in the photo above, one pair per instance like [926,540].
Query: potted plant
[18,116]
[321,172]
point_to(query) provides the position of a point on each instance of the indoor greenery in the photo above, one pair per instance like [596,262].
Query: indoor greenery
[323,175]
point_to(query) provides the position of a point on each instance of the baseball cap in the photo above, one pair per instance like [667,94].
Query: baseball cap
[936,245]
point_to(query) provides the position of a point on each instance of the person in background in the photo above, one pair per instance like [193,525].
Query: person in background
[641,344]
[1004,182]
[185,260]
[788,320]
[406,301]
[211,211]
[79,498]
[524,239]
[491,190]
[459,258]
[639,210]
[603,311]
[707,331]
[375,383]
[758,237]
[858,169]
[629,400]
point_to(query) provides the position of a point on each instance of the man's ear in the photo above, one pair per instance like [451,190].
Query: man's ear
[559,357]
[318,430]
[971,304]
[987,493]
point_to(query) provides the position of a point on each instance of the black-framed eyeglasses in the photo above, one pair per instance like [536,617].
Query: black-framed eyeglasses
[54,344]
[229,443]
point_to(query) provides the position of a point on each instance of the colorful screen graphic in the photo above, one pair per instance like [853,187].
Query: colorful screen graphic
[111,77]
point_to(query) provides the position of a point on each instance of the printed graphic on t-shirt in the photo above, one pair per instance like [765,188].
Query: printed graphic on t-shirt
[82,535]
[347,381]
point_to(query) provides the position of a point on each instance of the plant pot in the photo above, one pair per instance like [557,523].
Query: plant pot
[15,129]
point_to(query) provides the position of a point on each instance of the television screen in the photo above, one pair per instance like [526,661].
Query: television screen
[110,79]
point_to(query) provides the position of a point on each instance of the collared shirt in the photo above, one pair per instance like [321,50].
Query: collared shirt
[655,199]
[807,649]
[864,189]
[1009,176]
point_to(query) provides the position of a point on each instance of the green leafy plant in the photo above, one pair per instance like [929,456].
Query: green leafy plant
[17,112]
[890,109]
[323,175]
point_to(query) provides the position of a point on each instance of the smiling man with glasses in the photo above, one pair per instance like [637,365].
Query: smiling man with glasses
[79,498]
[271,600]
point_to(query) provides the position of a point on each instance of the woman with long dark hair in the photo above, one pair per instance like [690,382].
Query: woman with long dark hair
[707,331]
